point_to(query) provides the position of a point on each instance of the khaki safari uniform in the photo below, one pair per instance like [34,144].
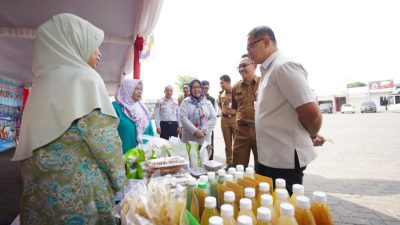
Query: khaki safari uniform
[244,98]
[228,122]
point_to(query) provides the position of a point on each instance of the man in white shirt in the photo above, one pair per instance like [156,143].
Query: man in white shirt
[167,115]
[287,117]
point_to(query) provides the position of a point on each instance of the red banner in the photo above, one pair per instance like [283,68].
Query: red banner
[382,84]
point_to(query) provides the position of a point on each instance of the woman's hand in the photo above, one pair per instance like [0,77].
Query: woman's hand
[199,134]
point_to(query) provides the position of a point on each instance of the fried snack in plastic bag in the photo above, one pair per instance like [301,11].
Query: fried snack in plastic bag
[133,163]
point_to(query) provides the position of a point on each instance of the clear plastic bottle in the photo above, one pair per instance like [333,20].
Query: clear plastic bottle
[215,220]
[245,220]
[227,214]
[282,196]
[240,168]
[298,190]
[232,170]
[302,211]
[263,188]
[320,209]
[203,186]
[228,177]
[267,201]
[250,193]
[264,216]
[212,182]
[221,176]
[249,172]
[238,175]
[246,209]
[229,199]
[192,184]
[279,184]
[287,215]
[210,210]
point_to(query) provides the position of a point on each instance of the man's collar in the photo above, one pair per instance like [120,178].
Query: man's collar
[265,65]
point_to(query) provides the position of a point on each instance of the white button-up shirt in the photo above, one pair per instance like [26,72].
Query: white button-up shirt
[283,88]
[167,110]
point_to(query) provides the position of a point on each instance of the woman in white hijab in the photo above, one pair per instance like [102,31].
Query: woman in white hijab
[71,154]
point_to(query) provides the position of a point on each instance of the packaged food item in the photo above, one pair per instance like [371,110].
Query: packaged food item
[320,209]
[250,193]
[212,165]
[229,199]
[192,184]
[267,202]
[210,210]
[302,211]
[239,191]
[282,196]
[133,163]
[287,215]
[298,190]
[263,188]
[279,184]
[264,179]
[227,214]
[221,189]
[246,210]
[264,216]
[249,172]
[165,165]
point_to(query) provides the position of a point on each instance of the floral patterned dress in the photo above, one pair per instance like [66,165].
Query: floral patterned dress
[72,180]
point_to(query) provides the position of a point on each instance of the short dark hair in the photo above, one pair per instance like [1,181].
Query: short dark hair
[205,82]
[225,78]
[187,84]
[262,31]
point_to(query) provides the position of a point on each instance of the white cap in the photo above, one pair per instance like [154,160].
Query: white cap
[245,220]
[263,187]
[192,181]
[264,214]
[282,194]
[280,183]
[303,202]
[266,200]
[221,172]
[210,202]
[211,175]
[249,192]
[203,179]
[240,168]
[229,196]
[215,220]
[229,177]
[298,189]
[226,210]
[249,170]
[245,203]
[319,197]
[287,209]
[239,174]
[232,170]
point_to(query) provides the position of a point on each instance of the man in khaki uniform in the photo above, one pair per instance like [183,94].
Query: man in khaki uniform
[228,120]
[186,92]
[244,97]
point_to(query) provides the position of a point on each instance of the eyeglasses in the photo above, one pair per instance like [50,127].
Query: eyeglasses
[249,46]
[243,65]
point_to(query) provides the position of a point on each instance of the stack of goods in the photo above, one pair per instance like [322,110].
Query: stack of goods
[165,165]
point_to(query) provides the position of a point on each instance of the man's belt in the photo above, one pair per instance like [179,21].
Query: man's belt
[169,122]
[247,123]
[228,116]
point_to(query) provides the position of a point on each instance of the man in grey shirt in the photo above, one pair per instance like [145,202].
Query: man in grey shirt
[287,117]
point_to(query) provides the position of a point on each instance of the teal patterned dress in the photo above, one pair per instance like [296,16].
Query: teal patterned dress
[73,179]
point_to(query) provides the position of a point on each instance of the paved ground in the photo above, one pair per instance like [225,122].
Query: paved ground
[360,171]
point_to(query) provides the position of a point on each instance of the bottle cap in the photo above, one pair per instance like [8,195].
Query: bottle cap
[192,181]
[249,192]
[202,185]
[210,202]
[264,214]
[266,200]
[229,177]
[250,171]
[282,194]
[263,187]
[298,189]
[221,173]
[245,203]
[239,174]
[226,210]
[232,170]
[203,178]
[280,183]
[240,168]
[245,220]
[287,209]
[303,202]
[319,197]
[229,196]
[211,175]
[215,220]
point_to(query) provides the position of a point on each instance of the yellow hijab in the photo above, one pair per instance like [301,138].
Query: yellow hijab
[65,87]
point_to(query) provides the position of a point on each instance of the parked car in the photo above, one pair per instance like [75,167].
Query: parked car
[368,107]
[347,108]
[325,108]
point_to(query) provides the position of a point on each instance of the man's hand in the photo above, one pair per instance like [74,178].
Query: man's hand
[199,134]
[158,130]
[319,140]
[179,130]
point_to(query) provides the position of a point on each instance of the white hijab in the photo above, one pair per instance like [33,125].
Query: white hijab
[65,87]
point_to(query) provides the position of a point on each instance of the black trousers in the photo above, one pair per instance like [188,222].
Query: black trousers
[292,176]
[168,129]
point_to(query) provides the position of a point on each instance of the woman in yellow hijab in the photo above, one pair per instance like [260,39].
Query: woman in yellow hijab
[72,162]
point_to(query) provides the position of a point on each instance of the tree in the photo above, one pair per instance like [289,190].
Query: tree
[181,80]
[356,84]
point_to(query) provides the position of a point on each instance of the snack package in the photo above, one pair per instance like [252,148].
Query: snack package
[178,148]
[133,163]
[194,155]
